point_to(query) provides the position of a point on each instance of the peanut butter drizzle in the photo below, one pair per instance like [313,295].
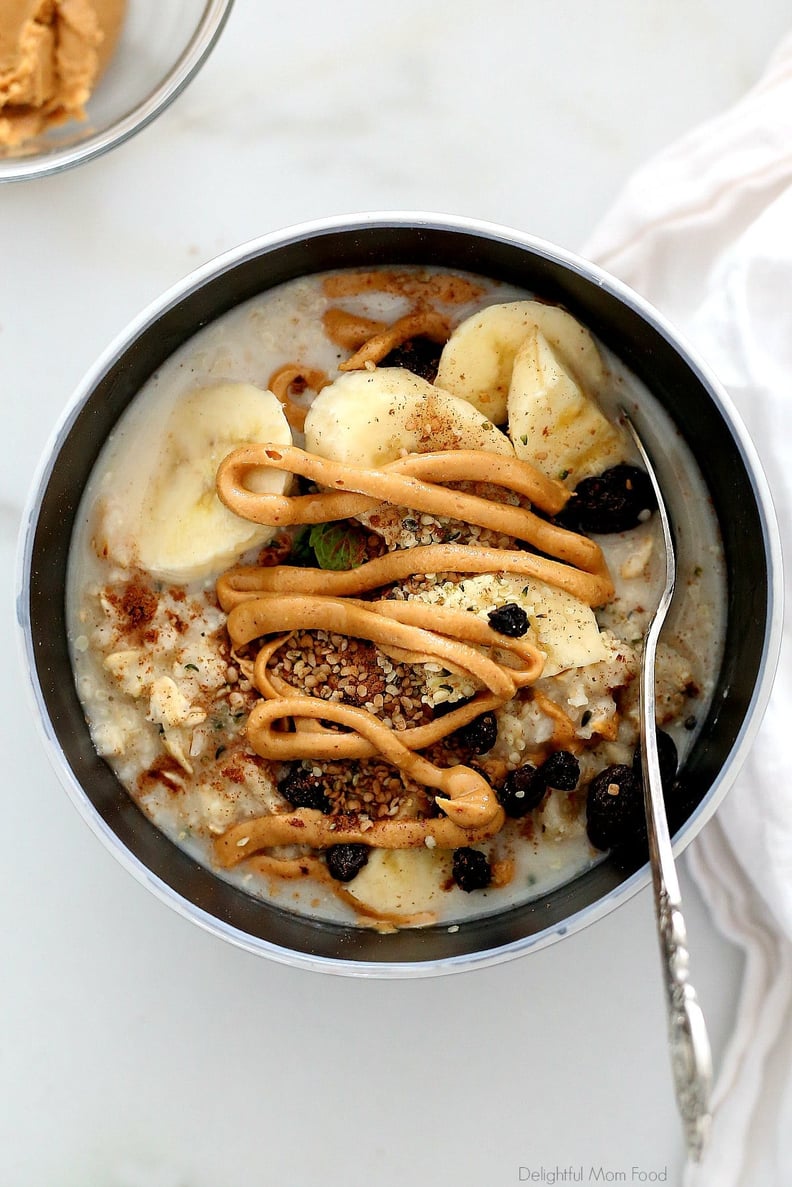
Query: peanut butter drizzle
[327,600]
[350,330]
[329,745]
[408,624]
[564,735]
[381,484]
[370,340]
[397,484]
[281,383]
[347,746]
[241,583]
[420,323]
[471,810]
[445,287]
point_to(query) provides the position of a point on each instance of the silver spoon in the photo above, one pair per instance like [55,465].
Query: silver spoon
[691,1058]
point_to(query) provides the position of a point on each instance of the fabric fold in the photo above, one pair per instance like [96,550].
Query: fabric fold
[704,232]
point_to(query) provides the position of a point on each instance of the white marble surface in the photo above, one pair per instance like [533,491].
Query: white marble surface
[138,1051]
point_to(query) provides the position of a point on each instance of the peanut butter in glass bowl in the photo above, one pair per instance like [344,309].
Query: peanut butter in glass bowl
[78,77]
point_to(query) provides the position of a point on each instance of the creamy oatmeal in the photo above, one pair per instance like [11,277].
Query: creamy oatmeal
[358,591]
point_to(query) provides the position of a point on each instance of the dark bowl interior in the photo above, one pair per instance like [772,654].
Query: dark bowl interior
[645,346]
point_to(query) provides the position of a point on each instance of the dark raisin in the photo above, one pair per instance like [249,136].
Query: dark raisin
[304,790]
[471,869]
[614,807]
[346,861]
[446,707]
[480,734]
[690,723]
[630,855]
[560,770]
[509,619]
[613,501]
[521,791]
[681,798]
[419,355]
[666,753]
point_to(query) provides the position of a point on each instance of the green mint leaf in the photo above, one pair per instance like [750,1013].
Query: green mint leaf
[339,545]
[301,551]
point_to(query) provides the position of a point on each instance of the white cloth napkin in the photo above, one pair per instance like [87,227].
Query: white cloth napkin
[704,232]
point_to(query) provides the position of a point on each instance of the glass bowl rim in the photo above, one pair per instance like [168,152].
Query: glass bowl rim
[57,160]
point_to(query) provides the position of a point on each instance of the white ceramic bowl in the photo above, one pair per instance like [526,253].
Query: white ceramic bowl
[163,45]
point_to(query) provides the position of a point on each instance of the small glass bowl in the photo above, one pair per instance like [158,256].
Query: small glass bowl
[162,46]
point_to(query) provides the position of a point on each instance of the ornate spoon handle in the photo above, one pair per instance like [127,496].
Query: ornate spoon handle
[691,1058]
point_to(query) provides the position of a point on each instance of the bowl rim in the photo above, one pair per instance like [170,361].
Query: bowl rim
[184,69]
[353,223]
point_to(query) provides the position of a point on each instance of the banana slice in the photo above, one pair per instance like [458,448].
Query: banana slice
[552,422]
[184,532]
[566,629]
[369,418]
[477,361]
[562,626]
[402,881]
